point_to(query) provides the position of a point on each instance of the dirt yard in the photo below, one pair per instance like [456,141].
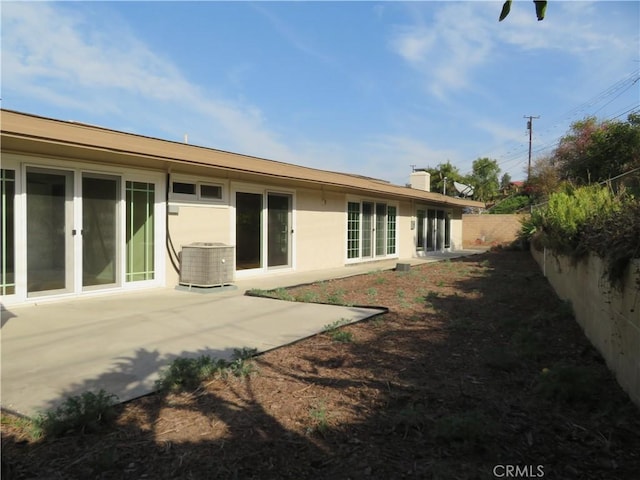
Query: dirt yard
[477,369]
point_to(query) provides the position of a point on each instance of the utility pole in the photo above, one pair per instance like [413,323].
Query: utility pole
[530,128]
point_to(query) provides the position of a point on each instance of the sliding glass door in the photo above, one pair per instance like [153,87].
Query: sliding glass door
[50,253]
[100,220]
[263,230]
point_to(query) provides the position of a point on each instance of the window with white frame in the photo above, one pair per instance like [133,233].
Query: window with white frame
[186,190]
[371,229]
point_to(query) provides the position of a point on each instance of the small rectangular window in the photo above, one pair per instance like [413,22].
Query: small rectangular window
[184,188]
[211,192]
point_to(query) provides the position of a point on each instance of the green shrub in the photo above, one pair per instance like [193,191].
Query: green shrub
[189,373]
[511,205]
[558,224]
[589,219]
[88,412]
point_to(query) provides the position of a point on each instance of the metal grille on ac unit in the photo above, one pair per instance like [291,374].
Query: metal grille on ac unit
[206,264]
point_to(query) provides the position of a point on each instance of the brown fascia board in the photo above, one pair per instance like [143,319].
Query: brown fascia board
[35,129]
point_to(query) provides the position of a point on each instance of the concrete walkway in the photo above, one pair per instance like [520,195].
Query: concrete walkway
[120,342]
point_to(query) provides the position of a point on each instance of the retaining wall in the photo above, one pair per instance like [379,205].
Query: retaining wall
[609,317]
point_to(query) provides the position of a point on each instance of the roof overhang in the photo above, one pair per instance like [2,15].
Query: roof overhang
[35,135]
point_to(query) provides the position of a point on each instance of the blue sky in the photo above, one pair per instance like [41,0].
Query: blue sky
[360,87]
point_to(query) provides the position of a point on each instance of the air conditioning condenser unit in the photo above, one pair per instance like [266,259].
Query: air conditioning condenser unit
[204,264]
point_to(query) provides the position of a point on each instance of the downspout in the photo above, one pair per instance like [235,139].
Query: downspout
[173,255]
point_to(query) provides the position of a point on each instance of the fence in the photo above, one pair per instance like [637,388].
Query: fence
[488,229]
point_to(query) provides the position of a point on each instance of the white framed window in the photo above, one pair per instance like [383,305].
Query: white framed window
[190,190]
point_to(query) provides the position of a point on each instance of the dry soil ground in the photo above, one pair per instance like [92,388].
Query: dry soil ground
[476,367]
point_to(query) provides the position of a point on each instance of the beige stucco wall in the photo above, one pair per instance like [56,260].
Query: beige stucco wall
[320,229]
[610,318]
[456,230]
[196,223]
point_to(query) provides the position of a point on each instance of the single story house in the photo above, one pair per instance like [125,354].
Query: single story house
[88,209]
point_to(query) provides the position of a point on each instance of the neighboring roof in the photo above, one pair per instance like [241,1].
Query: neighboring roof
[28,133]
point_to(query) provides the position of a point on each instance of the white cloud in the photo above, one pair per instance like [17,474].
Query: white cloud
[57,56]
[448,49]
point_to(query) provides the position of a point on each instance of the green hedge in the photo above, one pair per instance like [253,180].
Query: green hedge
[588,219]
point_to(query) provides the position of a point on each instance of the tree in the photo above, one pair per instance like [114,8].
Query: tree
[594,151]
[438,175]
[544,179]
[485,179]
[505,181]
[541,9]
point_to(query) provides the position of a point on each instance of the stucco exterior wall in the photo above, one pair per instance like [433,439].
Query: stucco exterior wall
[487,229]
[610,318]
[196,223]
[406,236]
[320,230]
[456,230]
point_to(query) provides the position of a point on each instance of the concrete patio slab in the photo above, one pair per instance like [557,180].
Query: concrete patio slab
[120,342]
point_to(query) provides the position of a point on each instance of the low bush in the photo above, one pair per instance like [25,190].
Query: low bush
[88,412]
[189,373]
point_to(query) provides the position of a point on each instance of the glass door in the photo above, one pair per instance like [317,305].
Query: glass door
[49,231]
[278,230]
[100,200]
[381,229]
[248,230]
[367,229]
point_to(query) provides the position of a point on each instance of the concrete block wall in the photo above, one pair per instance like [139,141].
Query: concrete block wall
[609,317]
[487,229]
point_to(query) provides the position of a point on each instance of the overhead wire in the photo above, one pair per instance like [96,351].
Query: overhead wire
[618,89]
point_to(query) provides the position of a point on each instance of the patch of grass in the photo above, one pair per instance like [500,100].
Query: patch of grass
[380,280]
[308,297]
[372,293]
[337,335]
[431,296]
[25,425]
[400,293]
[88,412]
[319,417]
[283,294]
[377,321]
[189,373]
[336,297]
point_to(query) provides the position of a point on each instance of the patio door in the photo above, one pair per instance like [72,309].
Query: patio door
[100,221]
[50,236]
[263,230]
[248,230]
[279,230]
